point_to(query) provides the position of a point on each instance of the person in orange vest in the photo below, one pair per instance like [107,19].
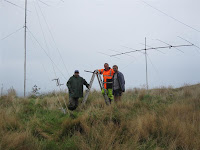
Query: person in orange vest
[107,73]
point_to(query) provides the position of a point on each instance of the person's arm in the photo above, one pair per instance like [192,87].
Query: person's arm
[121,81]
[85,83]
[69,84]
[100,70]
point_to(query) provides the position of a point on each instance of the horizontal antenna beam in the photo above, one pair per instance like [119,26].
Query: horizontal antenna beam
[152,48]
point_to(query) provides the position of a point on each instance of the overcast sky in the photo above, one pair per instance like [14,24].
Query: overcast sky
[81,30]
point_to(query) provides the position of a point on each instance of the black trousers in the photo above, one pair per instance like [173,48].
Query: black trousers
[73,103]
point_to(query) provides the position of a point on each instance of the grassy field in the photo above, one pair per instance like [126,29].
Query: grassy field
[163,118]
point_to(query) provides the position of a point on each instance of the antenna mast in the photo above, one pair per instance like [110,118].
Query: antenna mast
[25,27]
[147,86]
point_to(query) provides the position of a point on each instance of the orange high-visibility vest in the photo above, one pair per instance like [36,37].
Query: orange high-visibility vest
[107,75]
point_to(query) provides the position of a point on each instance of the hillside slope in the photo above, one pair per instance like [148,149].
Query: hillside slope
[163,118]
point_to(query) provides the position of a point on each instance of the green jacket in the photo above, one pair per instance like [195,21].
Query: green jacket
[75,86]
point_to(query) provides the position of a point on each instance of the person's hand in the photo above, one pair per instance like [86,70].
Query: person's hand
[88,86]
[96,71]
[71,91]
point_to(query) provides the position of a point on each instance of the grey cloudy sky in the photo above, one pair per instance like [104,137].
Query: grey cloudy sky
[83,28]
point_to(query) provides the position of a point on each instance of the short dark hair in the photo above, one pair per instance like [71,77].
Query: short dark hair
[106,64]
[115,66]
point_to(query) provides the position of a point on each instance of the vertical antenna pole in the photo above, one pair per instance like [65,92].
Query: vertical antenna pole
[2,90]
[147,86]
[25,27]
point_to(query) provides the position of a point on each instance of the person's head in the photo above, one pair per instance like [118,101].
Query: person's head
[115,68]
[106,66]
[76,73]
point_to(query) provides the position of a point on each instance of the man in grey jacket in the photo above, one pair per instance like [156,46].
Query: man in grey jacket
[118,84]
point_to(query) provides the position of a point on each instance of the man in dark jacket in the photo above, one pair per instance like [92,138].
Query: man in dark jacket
[118,84]
[75,86]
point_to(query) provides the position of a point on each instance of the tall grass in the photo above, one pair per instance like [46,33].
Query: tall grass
[162,118]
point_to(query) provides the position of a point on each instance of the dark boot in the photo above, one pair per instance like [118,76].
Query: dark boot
[110,100]
[71,107]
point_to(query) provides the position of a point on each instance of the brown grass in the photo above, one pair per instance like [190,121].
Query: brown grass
[162,118]
[18,140]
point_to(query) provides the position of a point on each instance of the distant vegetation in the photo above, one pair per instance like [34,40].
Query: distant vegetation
[163,118]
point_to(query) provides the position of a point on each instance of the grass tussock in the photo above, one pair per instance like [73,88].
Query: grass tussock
[19,140]
[162,118]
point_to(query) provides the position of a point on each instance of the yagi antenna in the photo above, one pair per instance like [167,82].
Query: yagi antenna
[169,45]
[119,52]
[152,47]
[107,55]
[144,51]
[189,42]
[134,50]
